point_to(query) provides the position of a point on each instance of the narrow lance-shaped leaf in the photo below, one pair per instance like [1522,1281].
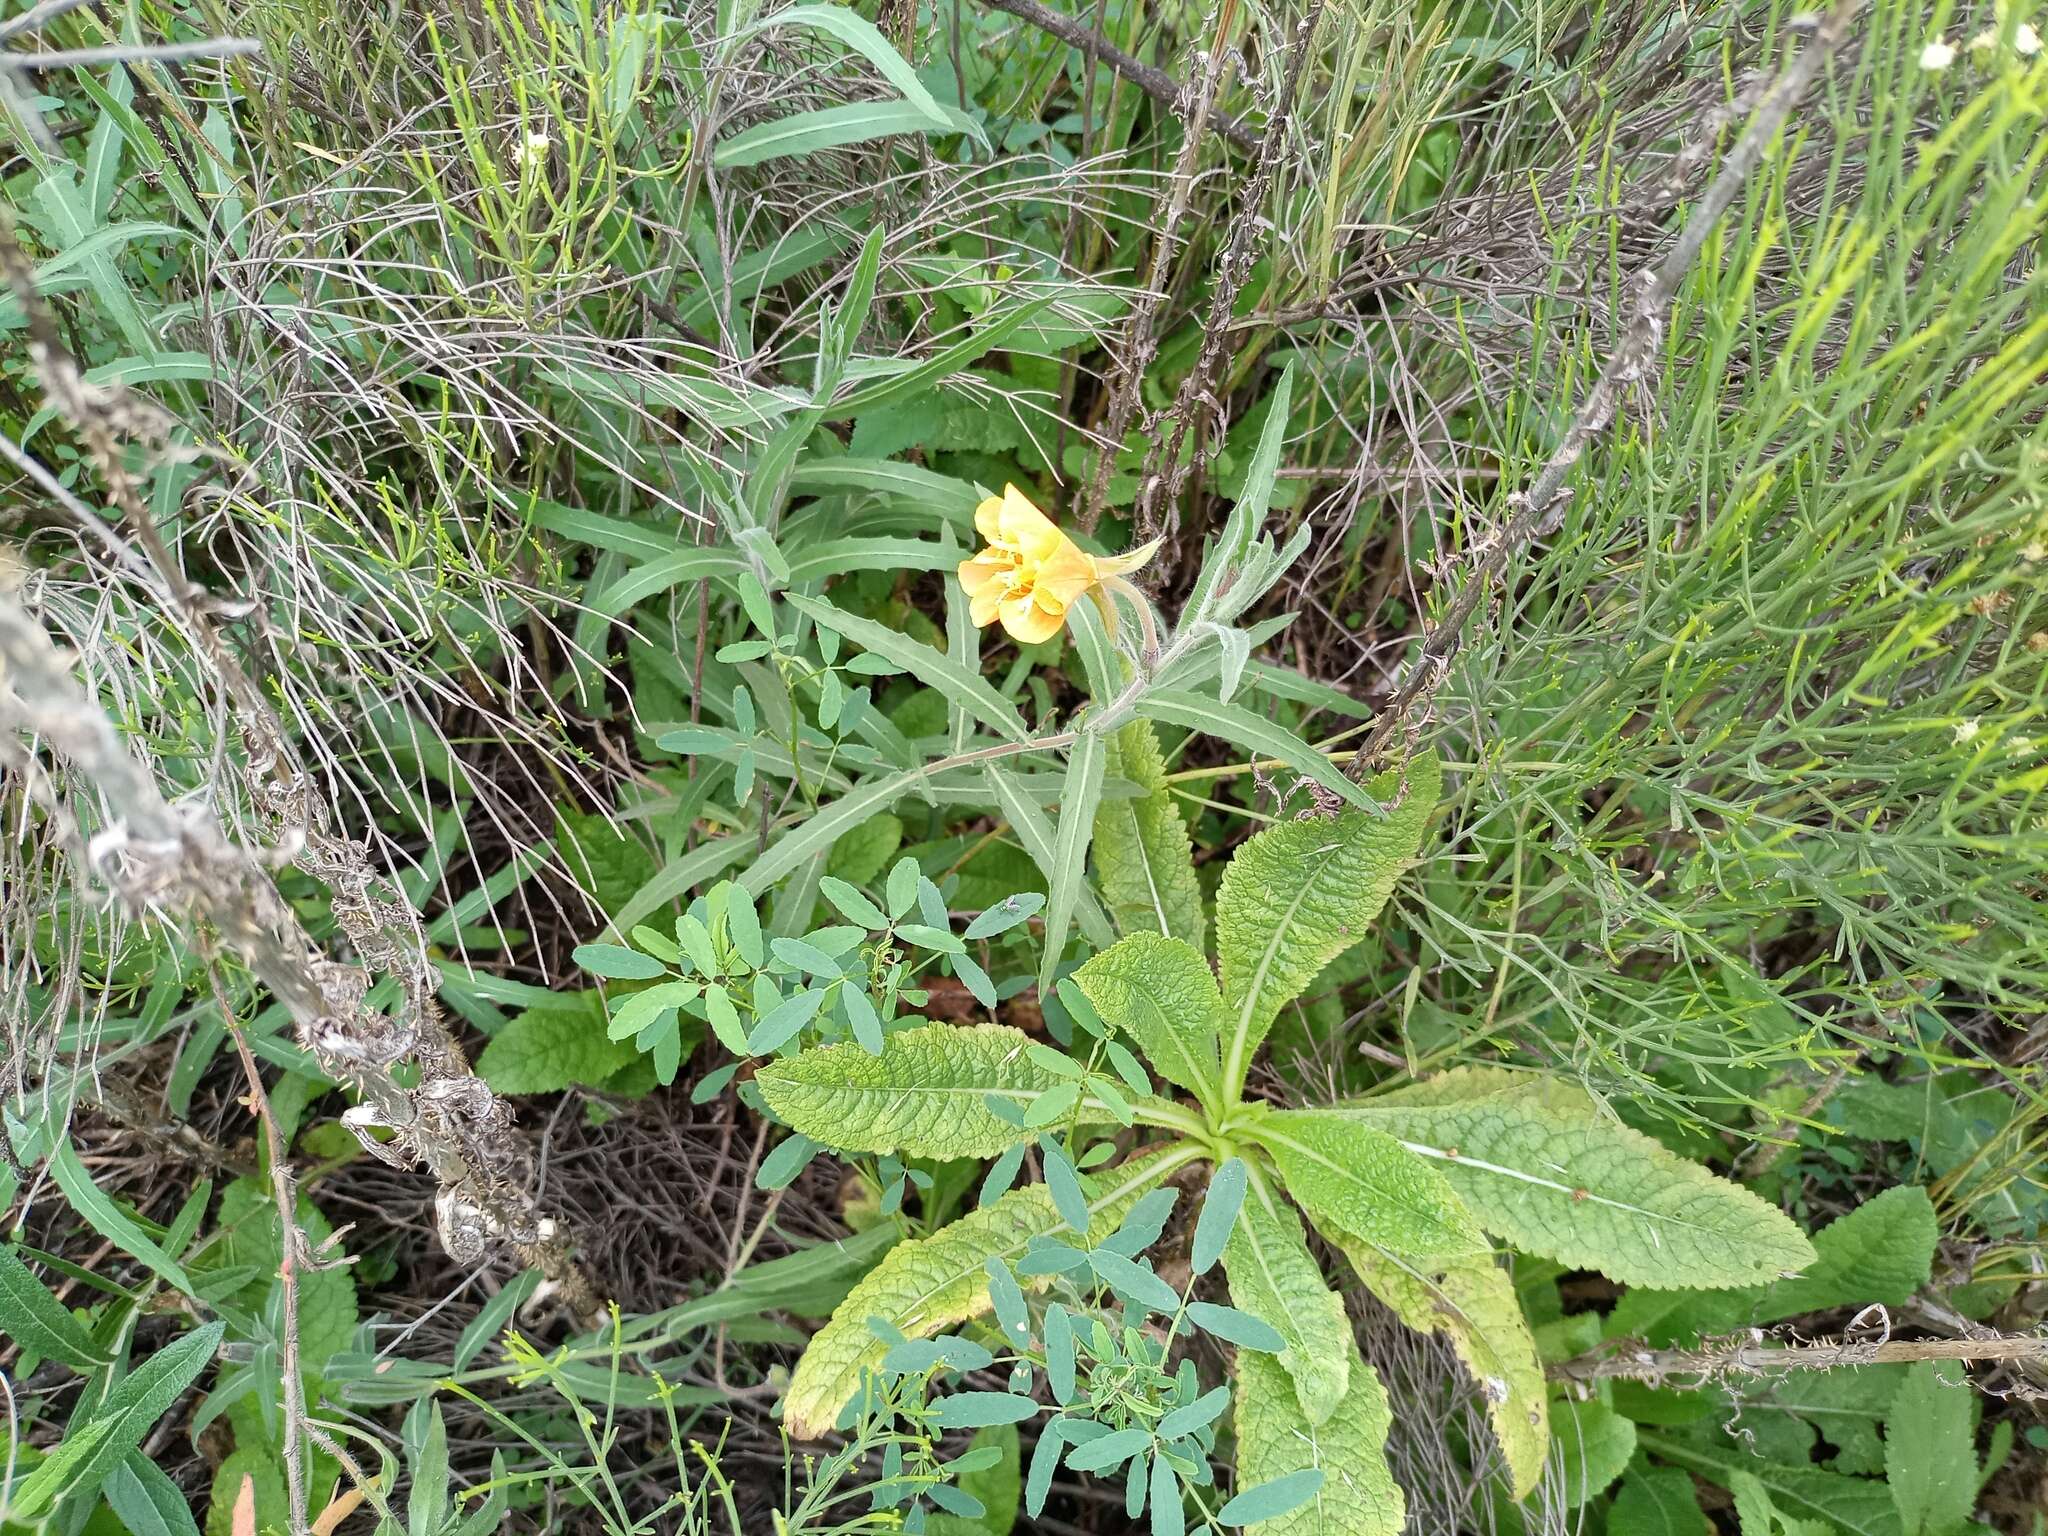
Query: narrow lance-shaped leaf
[1143,858]
[932,667]
[1274,1277]
[928,1284]
[1070,852]
[1300,894]
[1034,830]
[1256,734]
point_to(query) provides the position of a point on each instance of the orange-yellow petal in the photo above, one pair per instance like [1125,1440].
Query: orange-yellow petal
[988,519]
[1029,531]
[985,605]
[980,571]
[1130,560]
[1066,573]
[1033,618]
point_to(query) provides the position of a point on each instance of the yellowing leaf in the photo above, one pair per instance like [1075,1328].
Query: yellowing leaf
[1471,1301]
[929,1284]
[1359,1496]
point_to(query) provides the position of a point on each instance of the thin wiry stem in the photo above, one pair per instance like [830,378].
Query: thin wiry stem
[1632,359]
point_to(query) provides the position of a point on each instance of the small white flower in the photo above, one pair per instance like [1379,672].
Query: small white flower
[2019,746]
[2034,552]
[1984,41]
[1966,732]
[532,149]
[2026,42]
[1937,55]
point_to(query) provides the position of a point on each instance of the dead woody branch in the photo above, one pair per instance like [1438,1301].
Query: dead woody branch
[1539,508]
[1751,1355]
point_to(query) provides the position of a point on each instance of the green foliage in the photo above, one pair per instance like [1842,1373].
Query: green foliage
[1405,1184]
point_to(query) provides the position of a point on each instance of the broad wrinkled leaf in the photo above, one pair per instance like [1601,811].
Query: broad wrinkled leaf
[1159,991]
[1471,1301]
[926,1093]
[1274,1277]
[1358,1496]
[1144,862]
[1355,1180]
[1300,894]
[1595,1196]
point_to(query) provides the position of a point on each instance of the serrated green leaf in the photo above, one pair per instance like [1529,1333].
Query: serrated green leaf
[1354,1180]
[1358,1496]
[1276,1279]
[1471,1301]
[1300,894]
[1659,1501]
[1594,1444]
[929,1284]
[1930,1457]
[38,1321]
[1883,1251]
[1853,1506]
[1159,991]
[925,1094]
[1144,862]
[544,1050]
[1595,1196]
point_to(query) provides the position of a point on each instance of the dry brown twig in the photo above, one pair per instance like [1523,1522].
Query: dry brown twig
[1538,508]
[1156,83]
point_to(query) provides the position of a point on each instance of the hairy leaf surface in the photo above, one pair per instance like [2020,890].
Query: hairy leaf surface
[1143,858]
[1352,1179]
[1159,992]
[1359,1496]
[1274,1277]
[929,1284]
[1472,1303]
[1596,1196]
[926,1094]
[1300,894]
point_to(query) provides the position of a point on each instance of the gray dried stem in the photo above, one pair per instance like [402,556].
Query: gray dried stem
[1538,508]
[1749,1355]
[156,858]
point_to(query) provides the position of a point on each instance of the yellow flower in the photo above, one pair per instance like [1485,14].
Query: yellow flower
[1031,573]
